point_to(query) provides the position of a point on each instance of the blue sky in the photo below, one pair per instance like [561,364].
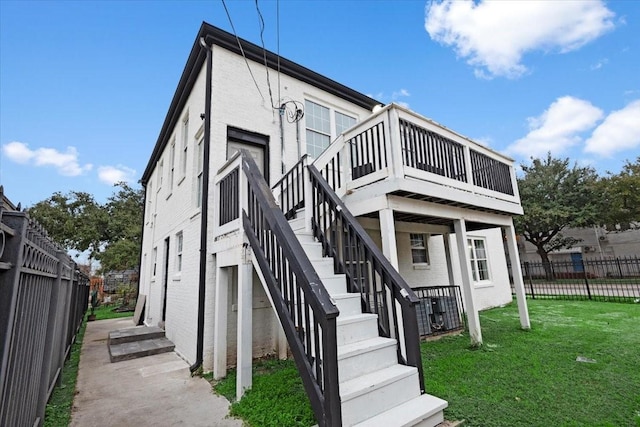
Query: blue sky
[85,86]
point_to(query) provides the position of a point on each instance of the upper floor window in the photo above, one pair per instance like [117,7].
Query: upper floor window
[155,261]
[343,122]
[185,146]
[172,161]
[147,211]
[199,173]
[160,173]
[419,249]
[323,125]
[318,124]
[479,259]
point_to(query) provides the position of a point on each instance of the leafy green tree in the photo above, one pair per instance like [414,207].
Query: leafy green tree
[111,233]
[621,196]
[74,220]
[124,229]
[555,196]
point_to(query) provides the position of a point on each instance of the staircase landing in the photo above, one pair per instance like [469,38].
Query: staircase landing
[141,341]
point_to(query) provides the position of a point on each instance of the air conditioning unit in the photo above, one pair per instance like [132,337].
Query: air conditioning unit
[603,238]
[588,249]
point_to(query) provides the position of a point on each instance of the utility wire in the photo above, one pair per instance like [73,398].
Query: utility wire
[264,55]
[242,51]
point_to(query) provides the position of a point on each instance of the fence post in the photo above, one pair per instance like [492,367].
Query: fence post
[619,267]
[586,281]
[527,271]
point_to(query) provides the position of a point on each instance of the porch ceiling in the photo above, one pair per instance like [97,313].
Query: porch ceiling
[441,201]
[426,219]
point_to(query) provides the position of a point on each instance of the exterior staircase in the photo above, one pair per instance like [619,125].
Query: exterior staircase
[140,341]
[375,390]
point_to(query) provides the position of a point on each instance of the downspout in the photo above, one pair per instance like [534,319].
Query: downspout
[204,214]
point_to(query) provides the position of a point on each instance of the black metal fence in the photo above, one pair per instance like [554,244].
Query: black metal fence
[43,298]
[440,310]
[602,279]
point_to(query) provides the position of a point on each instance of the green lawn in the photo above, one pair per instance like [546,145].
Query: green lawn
[532,378]
[107,312]
[518,378]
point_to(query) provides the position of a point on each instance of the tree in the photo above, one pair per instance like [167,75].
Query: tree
[74,220]
[621,193]
[124,229]
[111,233]
[555,196]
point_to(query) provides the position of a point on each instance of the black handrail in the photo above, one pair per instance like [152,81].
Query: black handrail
[367,270]
[291,189]
[304,307]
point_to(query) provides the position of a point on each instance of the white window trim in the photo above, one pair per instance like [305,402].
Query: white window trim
[485,282]
[179,260]
[421,265]
[184,148]
[333,109]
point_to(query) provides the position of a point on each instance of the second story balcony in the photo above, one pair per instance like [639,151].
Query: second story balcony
[396,151]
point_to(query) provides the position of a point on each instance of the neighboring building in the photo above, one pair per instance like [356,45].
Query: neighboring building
[435,203]
[594,243]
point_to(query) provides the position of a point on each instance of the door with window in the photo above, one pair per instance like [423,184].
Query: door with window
[256,144]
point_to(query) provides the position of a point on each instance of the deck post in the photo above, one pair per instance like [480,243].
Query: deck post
[245,327]
[516,271]
[220,323]
[446,237]
[467,282]
[388,234]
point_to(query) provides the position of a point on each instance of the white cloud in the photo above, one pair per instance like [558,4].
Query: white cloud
[65,162]
[618,132]
[599,64]
[558,128]
[493,36]
[114,174]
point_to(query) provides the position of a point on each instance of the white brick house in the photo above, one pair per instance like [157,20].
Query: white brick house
[439,219]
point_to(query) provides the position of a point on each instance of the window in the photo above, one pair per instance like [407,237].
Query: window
[179,252]
[419,251]
[479,259]
[199,176]
[147,212]
[185,146]
[318,128]
[172,161]
[343,122]
[160,172]
[155,261]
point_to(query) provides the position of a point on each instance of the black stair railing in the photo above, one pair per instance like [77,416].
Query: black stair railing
[304,307]
[383,291]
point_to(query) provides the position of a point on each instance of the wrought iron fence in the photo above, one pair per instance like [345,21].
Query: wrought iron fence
[43,298]
[603,279]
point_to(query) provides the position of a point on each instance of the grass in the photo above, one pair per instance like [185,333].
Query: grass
[532,378]
[58,410]
[517,378]
[106,312]
[276,399]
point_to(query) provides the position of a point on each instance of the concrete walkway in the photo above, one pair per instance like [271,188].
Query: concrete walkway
[151,391]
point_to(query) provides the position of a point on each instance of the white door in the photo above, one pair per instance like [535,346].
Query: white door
[257,152]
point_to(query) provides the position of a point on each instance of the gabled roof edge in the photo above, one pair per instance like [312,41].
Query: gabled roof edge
[214,35]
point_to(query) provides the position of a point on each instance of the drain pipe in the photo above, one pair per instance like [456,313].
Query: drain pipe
[204,214]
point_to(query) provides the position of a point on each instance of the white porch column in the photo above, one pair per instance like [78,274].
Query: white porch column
[388,233]
[245,328]
[220,323]
[446,237]
[467,281]
[518,282]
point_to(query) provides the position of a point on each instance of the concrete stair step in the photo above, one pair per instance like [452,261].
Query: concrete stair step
[137,333]
[368,395]
[312,249]
[297,224]
[422,411]
[137,349]
[359,327]
[348,304]
[363,357]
